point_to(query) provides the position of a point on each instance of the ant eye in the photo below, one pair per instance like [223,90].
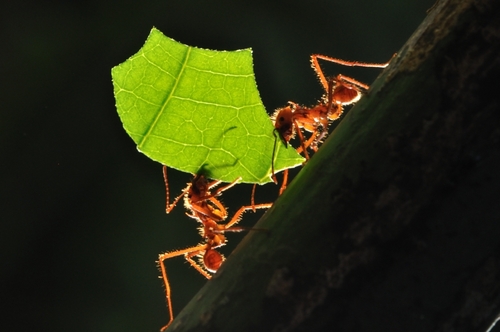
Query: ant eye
[281,119]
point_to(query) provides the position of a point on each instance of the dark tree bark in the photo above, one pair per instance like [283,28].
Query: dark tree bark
[394,224]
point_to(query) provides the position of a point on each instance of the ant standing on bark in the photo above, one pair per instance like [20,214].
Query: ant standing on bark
[210,212]
[340,90]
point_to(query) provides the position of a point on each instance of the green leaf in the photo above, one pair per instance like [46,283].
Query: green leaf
[194,109]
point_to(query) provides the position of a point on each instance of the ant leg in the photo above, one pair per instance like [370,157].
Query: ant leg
[169,207]
[237,216]
[252,200]
[210,212]
[166,185]
[272,158]
[313,138]
[349,63]
[301,138]
[319,72]
[219,206]
[224,188]
[285,181]
[161,263]
[203,209]
[352,81]
[194,264]
[213,184]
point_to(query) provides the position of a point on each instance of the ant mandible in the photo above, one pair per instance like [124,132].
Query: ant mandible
[206,209]
[340,90]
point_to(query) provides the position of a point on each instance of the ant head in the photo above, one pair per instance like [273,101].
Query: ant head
[199,186]
[283,123]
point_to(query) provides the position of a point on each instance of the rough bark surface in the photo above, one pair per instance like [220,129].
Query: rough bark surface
[394,224]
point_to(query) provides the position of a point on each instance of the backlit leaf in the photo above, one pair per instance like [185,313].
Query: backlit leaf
[194,109]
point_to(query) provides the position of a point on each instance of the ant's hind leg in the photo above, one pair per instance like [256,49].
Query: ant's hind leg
[161,262]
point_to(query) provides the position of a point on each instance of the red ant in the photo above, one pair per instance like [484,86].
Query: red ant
[340,90]
[205,208]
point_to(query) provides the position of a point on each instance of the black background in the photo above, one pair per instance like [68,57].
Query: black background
[82,211]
